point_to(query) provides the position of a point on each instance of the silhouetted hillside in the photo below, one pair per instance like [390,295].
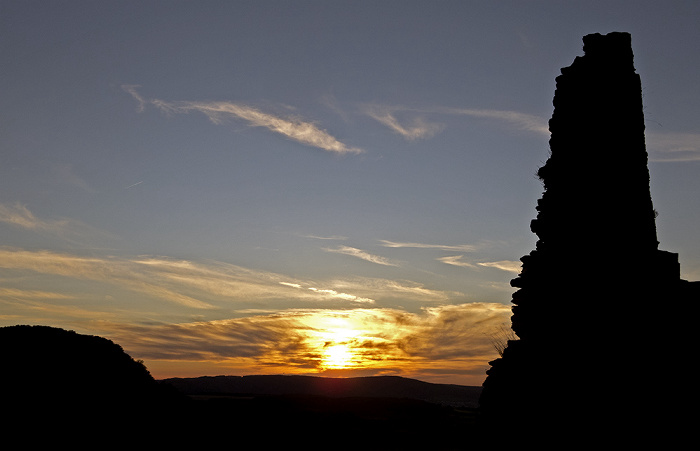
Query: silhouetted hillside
[58,381]
[368,387]
[59,387]
[339,413]
[47,361]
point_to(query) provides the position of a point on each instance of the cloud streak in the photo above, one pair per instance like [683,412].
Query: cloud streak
[294,128]
[363,255]
[673,147]
[456,260]
[206,286]
[329,238]
[503,265]
[14,293]
[399,290]
[122,272]
[444,247]
[131,89]
[522,121]
[667,147]
[71,230]
[331,293]
[421,128]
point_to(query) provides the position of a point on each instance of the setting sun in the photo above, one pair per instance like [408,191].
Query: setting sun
[337,356]
[336,339]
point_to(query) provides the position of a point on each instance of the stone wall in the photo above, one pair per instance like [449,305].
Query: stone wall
[592,307]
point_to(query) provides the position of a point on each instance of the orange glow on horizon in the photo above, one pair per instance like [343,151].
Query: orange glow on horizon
[448,343]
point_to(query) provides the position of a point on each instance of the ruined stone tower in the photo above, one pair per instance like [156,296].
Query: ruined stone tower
[593,333]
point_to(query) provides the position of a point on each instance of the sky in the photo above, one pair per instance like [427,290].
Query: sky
[306,187]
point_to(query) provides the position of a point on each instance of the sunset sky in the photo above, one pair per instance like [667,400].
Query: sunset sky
[306,187]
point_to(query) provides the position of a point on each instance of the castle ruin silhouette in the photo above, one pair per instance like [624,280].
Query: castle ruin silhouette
[597,306]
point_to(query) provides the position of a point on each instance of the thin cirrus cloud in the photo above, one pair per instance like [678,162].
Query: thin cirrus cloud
[70,230]
[331,293]
[456,260]
[359,253]
[503,265]
[444,247]
[421,128]
[328,238]
[418,129]
[521,121]
[666,147]
[15,293]
[673,147]
[397,290]
[204,285]
[125,273]
[19,215]
[226,283]
[66,174]
[218,112]
[190,284]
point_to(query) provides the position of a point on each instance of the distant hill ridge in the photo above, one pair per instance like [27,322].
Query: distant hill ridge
[373,386]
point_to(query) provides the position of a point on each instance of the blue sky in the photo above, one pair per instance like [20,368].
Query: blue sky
[242,187]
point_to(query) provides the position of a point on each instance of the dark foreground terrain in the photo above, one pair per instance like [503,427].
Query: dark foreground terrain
[58,387]
[322,413]
[319,422]
[365,387]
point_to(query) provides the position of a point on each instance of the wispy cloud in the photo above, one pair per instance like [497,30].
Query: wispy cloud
[392,289]
[122,272]
[521,121]
[232,283]
[14,293]
[66,174]
[419,127]
[444,247]
[329,101]
[359,253]
[330,238]
[131,89]
[71,230]
[662,146]
[38,307]
[20,216]
[456,260]
[673,147]
[503,265]
[331,293]
[198,285]
[294,128]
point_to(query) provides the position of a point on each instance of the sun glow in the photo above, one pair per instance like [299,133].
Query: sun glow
[337,339]
[337,356]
